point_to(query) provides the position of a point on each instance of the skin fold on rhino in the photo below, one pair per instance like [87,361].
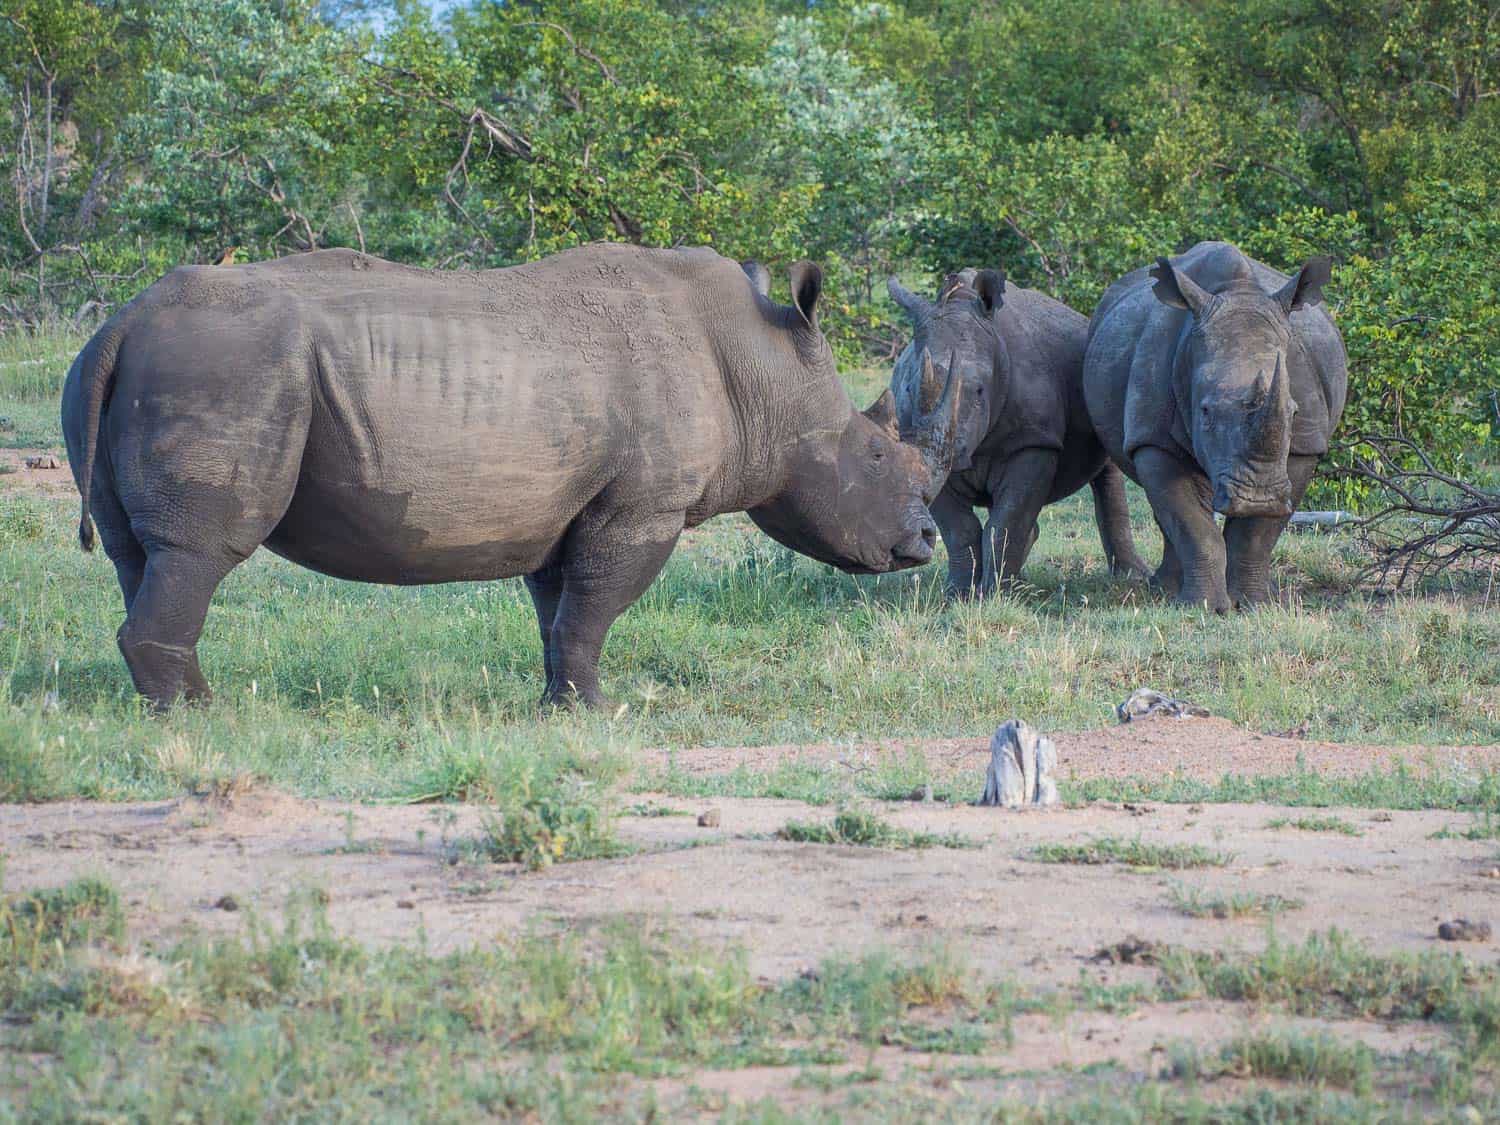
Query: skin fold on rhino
[1216,382]
[562,420]
[1024,436]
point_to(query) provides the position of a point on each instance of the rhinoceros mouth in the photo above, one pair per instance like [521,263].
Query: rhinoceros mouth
[1233,501]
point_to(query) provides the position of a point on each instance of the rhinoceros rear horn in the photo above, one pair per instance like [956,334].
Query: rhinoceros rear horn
[1307,287]
[937,428]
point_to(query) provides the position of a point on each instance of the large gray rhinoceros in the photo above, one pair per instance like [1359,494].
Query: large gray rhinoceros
[562,420]
[1215,382]
[1024,437]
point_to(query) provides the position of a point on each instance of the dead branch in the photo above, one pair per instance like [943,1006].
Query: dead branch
[1429,520]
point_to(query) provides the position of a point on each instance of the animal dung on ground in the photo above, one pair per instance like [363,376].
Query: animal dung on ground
[42,462]
[1146,701]
[1022,762]
[1462,929]
[709,818]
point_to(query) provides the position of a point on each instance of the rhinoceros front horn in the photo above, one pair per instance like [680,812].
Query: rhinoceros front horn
[936,427]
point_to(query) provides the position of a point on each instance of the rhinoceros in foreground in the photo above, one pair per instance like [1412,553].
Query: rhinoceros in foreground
[562,420]
[1024,437]
[1215,382]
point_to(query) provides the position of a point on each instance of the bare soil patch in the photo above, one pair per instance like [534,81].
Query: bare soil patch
[393,874]
[1198,749]
[54,479]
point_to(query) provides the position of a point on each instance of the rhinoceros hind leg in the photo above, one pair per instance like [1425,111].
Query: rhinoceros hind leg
[1112,515]
[607,562]
[1016,502]
[160,635]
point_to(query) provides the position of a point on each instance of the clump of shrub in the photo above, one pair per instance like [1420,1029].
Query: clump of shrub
[864,829]
[1197,903]
[23,519]
[1136,854]
[27,772]
[551,803]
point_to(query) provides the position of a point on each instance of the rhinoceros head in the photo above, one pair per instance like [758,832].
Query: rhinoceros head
[1239,404]
[953,336]
[857,486]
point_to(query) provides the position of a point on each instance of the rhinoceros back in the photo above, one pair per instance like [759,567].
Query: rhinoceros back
[451,424]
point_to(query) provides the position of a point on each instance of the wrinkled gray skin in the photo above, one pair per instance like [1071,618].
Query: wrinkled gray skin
[562,420]
[1024,438]
[1215,382]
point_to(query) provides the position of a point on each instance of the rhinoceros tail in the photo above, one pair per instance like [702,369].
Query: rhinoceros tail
[97,372]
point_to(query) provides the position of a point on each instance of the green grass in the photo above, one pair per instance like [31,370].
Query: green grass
[331,688]
[1316,824]
[1401,787]
[264,1024]
[1334,975]
[292,1021]
[1320,1060]
[861,828]
[1195,902]
[1137,854]
[1485,826]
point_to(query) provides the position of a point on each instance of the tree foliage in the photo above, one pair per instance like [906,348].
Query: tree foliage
[1066,140]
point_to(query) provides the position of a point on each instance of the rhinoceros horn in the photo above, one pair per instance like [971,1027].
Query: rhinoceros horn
[935,428]
[1273,408]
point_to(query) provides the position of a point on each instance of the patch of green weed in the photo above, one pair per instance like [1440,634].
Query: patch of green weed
[1137,854]
[861,828]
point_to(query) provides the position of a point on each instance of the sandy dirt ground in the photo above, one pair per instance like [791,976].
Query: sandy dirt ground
[389,874]
[52,478]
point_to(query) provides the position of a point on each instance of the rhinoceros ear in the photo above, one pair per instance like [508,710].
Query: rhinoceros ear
[915,307]
[807,287]
[990,285]
[1175,288]
[760,277]
[1307,287]
[883,413]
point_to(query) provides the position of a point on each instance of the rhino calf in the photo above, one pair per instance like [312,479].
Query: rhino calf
[1216,382]
[562,420]
[1024,437]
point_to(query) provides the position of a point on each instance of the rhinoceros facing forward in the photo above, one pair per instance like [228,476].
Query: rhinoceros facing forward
[562,420]
[1215,382]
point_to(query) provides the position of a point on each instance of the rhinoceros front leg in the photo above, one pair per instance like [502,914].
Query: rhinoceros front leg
[1250,542]
[961,533]
[607,562]
[1016,500]
[1180,500]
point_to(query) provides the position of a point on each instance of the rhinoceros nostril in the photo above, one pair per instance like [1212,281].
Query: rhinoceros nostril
[929,535]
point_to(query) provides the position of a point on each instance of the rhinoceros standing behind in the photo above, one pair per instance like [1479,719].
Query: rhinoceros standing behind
[562,420]
[1024,437]
[1216,383]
